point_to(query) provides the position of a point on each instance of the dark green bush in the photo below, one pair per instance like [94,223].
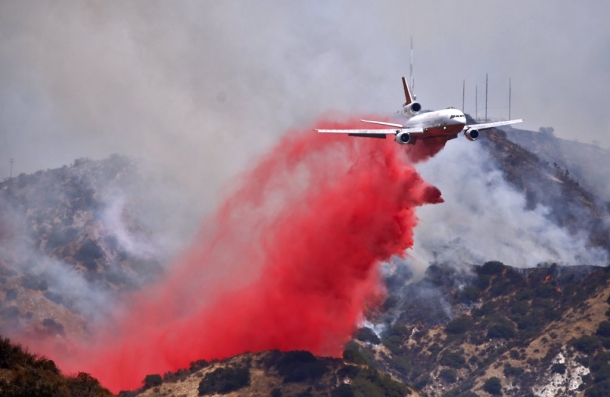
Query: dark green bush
[83,385]
[586,344]
[224,380]
[449,375]
[491,268]
[504,331]
[401,364]
[453,360]
[354,356]
[509,370]
[604,329]
[470,294]
[365,334]
[298,366]
[493,386]
[520,307]
[152,381]
[524,295]
[545,291]
[601,389]
[558,368]
[458,325]
[483,281]
[370,382]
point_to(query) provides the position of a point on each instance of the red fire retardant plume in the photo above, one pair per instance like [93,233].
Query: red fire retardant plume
[290,261]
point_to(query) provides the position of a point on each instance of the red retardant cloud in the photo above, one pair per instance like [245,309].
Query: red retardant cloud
[289,261]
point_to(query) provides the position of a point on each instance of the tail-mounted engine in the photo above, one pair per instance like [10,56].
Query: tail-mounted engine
[472,135]
[411,109]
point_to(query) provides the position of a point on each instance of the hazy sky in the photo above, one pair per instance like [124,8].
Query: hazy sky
[200,88]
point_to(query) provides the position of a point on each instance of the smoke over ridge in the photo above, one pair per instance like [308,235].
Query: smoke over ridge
[487,219]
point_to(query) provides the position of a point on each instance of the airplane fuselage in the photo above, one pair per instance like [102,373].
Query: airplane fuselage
[440,123]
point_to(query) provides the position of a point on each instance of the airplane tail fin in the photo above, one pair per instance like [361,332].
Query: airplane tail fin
[408,97]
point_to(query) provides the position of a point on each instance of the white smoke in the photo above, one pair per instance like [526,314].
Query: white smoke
[484,218]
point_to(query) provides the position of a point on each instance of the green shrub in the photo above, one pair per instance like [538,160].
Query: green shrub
[370,382]
[509,370]
[470,294]
[453,360]
[197,365]
[491,268]
[298,366]
[503,331]
[354,356]
[558,368]
[545,291]
[401,364]
[520,307]
[152,381]
[83,384]
[224,380]
[586,344]
[458,325]
[449,375]
[365,334]
[604,329]
[524,295]
[601,389]
[483,281]
[493,386]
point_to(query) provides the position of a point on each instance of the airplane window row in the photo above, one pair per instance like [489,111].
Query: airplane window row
[457,115]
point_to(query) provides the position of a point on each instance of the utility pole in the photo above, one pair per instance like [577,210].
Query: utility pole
[411,68]
[476,102]
[11,161]
[463,93]
[486,87]
[509,96]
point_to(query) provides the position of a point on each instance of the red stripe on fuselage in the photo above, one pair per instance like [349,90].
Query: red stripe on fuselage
[451,129]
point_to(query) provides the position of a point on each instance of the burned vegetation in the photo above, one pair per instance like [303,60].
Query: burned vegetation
[519,326]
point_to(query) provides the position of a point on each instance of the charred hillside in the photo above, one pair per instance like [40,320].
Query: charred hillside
[584,162]
[542,182]
[61,258]
[537,331]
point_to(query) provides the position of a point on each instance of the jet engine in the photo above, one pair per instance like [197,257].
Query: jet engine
[411,109]
[403,138]
[472,135]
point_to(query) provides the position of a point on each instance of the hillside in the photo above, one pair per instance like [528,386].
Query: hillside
[73,239]
[513,324]
[274,374]
[581,160]
[572,206]
[67,246]
[24,374]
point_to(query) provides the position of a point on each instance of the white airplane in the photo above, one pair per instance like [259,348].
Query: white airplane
[440,124]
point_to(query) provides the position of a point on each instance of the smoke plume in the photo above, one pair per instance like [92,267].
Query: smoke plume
[289,261]
[485,219]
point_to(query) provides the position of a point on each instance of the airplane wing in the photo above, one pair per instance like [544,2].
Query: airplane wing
[378,133]
[382,131]
[484,126]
